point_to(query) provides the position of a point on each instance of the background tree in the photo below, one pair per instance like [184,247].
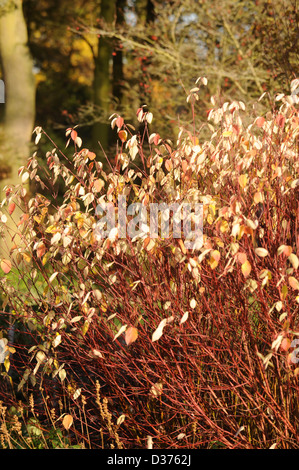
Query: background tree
[19,108]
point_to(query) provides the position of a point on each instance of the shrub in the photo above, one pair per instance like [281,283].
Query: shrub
[144,340]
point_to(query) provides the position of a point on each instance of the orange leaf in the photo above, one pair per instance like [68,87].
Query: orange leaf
[67,421]
[119,122]
[294,283]
[241,257]
[74,135]
[91,155]
[260,121]
[123,135]
[11,208]
[98,185]
[41,249]
[131,335]
[6,265]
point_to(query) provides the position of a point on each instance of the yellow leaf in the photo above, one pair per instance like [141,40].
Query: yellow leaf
[242,181]
[258,197]
[26,257]
[214,259]
[223,226]
[246,268]
[227,133]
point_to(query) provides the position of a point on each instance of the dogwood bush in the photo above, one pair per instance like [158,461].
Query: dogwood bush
[141,340]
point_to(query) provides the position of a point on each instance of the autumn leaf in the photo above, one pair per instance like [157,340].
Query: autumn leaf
[131,335]
[241,257]
[246,268]
[74,135]
[260,121]
[262,252]
[242,181]
[119,122]
[11,208]
[98,185]
[214,259]
[123,135]
[67,421]
[91,155]
[6,265]
[284,249]
[41,250]
[293,283]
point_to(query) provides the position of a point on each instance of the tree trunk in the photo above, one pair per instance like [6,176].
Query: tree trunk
[16,128]
[102,77]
